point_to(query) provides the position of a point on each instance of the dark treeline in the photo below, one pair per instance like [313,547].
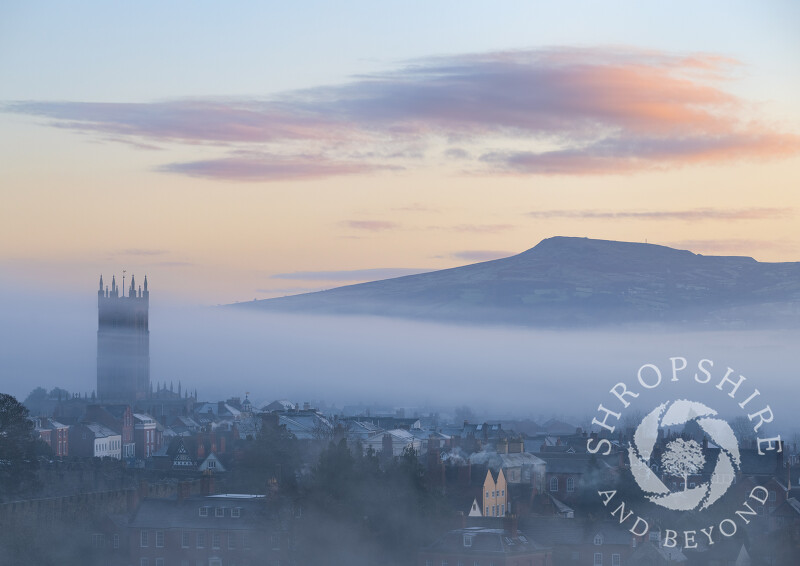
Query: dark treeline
[351,507]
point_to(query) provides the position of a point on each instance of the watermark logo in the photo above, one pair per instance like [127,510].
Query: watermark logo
[653,457]
[682,457]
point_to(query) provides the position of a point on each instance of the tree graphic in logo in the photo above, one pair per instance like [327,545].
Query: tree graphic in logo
[683,458]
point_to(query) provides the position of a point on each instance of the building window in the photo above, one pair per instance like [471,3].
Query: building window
[143,539]
[98,540]
[143,562]
[201,540]
[215,540]
[219,512]
[467,540]
[159,539]
[245,540]
[773,496]
[444,562]
[204,511]
[231,541]
[487,495]
[159,562]
[598,539]
[570,484]
[236,512]
[553,484]
[502,509]
[598,559]
[503,493]
[615,560]
[116,541]
[428,563]
[185,539]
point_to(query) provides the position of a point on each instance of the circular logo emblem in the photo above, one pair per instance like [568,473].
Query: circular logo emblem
[682,458]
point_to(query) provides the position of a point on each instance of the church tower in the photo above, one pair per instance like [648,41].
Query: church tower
[123,342]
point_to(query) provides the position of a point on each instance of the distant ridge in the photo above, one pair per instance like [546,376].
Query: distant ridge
[576,282]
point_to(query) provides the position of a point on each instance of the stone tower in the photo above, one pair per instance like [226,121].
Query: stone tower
[123,343]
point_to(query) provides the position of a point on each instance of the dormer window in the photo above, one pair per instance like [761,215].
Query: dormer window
[468,540]
[219,511]
[598,539]
[204,511]
[236,512]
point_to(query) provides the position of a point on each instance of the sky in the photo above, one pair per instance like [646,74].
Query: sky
[233,152]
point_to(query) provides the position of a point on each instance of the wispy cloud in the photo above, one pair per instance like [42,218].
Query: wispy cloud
[483,228]
[266,168]
[563,111]
[350,275]
[691,215]
[415,207]
[456,153]
[141,252]
[371,225]
[480,255]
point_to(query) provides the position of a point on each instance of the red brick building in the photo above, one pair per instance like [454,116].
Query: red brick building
[215,530]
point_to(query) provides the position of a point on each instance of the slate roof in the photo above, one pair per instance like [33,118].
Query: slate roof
[567,463]
[173,514]
[755,465]
[100,431]
[497,461]
[305,425]
[361,429]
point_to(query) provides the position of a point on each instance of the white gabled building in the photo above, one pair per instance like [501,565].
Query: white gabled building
[95,440]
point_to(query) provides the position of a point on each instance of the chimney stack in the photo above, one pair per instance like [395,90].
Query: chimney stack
[207,484]
[510,524]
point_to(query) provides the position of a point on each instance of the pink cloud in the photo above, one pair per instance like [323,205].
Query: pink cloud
[266,168]
[605,110]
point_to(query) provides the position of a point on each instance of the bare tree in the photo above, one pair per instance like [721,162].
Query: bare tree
[682,458]
[743,429]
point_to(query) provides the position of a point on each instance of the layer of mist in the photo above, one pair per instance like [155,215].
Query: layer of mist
[498,372]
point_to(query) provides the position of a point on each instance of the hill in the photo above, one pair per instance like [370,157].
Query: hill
[576,282]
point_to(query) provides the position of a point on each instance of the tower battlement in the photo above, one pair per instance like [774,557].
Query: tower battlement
[123,342]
